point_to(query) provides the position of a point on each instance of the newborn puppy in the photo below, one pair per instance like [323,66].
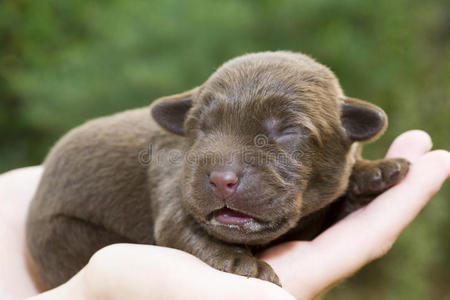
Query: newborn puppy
[266,150]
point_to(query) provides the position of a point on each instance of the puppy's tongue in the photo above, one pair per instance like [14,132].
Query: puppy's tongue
[231,217]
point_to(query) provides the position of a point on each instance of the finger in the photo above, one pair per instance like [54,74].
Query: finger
[410,145]
[401,204]
[149,272]
[361,237]
[16,190]
[126,271]
[18,186]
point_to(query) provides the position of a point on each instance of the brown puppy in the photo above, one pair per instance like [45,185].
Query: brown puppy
[262,152]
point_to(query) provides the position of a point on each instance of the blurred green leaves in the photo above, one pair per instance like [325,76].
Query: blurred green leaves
[64,62]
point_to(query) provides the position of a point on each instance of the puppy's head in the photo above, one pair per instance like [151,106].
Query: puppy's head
[269,139]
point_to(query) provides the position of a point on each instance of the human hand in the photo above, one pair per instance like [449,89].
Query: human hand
[306,269]
[121,271]
[131,271]
[16,189]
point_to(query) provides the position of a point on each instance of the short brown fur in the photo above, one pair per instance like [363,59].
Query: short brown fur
[304,173]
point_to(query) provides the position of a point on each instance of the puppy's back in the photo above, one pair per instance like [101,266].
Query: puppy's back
[92,183]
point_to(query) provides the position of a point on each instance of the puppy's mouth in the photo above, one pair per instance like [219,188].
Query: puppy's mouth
[236,226]
[228,216]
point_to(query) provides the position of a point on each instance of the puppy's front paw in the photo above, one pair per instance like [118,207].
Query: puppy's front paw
[245,265]
[372,178]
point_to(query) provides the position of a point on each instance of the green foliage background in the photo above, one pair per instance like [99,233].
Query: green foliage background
[64,62]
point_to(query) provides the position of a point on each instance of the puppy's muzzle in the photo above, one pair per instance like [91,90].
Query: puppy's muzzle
[224,183]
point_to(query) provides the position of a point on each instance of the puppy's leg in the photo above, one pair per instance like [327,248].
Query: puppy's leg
[371,178]
[61,246]
[186,234]
[368,180]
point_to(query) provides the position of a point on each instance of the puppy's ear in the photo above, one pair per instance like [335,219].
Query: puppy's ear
[362,121]
[170,112]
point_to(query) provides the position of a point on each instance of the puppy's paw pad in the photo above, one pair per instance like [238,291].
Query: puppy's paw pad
[376,181]
[246,265]
[394,170]
[265,272]
[375,177]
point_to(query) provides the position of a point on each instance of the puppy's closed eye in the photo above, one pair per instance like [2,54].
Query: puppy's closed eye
[288,134]
[291,131]
[268,141]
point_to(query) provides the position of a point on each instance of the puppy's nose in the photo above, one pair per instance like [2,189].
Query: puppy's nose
[224,183]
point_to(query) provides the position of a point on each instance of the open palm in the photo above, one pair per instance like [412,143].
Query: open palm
[306,269]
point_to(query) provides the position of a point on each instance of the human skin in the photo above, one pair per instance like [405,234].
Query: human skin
[306,269]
